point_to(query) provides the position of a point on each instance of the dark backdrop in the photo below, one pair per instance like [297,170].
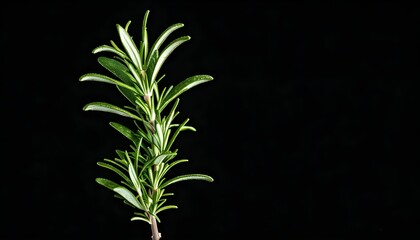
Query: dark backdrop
[310,128]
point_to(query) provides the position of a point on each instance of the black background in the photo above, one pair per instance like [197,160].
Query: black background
[310,127]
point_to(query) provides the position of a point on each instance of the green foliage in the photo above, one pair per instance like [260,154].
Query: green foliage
[142,168]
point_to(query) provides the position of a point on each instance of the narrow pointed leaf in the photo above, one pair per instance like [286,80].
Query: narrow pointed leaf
[166,52]
[134,178]
[184,86]
[152,63]
[187,177]
[175,135]
[166,208]
[118,69]
[106,107]
[129,196]
[106,48]
[124,131]
[107,183]
[102,78]
[114,169]
[162,37]
[122,191]
[144,35]
[141,219]
[169,166]
[161,157]
[130,47]
[129,95]
[155,160]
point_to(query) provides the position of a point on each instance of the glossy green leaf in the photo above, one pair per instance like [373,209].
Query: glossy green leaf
[129,196]
[107,183]
[118,69]
[175,134]
[102,78]
[166,52]
[122,191]
[187,177]
[130,47]
[166,208]
[184,86]
[129,95]
[155,160]
[124,131]
[152,63]
[167,167]
[141,219]
[106,107]
[145,37]
[134,178]
[162,37]
[140,216]
[114,169]
[106,48]
[161,157]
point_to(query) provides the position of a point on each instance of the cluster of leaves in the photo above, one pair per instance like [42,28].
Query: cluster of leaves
[150,156]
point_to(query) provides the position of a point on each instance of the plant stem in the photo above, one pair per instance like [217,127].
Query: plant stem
[155,231]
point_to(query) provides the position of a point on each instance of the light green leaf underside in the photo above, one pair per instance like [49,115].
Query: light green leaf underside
[122,191]
[124,131]
[130,47]
[159,41]
[105,79]
[184,86]
[106,107]
[187,177]
[166,52]
[106,48]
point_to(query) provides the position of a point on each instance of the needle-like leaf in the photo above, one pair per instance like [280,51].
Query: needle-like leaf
[130,47]
[182,87]
[106,107]
[187,177]
[124,131]
[166,52]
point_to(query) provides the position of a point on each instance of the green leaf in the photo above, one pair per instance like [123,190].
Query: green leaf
[133,174]
[140,216]
[118,69]
[184,86]
[106,48]
[155,160]
[166,208]
[102,78]
[129,95]
[162,37]
[152,63]
[121,154]
[141,219]
[175,135]
[166,52]
[122,191]
[161,157]
[144,35]
[114,169]
[130,47]
[107,183]
[167,167]
[124,131]
[106,107]
[129,196]
[123,73]
[187,177]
